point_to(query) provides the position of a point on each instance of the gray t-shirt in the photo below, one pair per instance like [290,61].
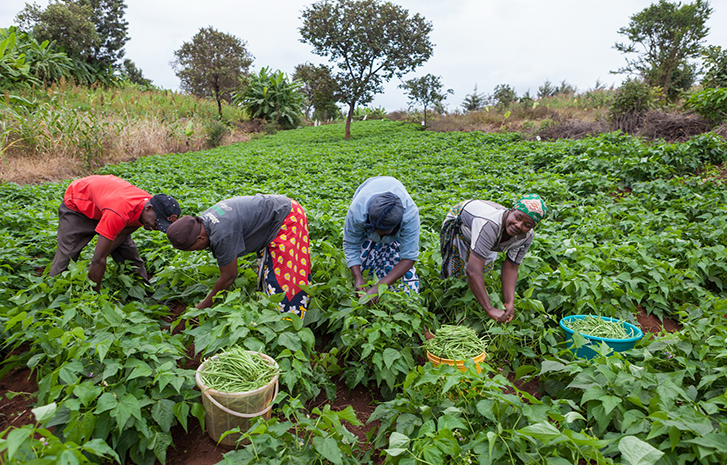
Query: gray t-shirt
[483,227]
[242,225]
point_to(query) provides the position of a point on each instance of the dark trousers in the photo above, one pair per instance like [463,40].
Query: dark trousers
[75,231]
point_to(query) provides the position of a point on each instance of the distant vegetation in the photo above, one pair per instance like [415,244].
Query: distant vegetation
[67,130]
[70,104]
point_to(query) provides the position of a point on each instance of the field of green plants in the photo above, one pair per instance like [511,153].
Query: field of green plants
[631,226]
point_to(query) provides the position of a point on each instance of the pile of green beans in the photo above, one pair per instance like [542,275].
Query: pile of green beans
[598,327]
[456,343]
[237,370]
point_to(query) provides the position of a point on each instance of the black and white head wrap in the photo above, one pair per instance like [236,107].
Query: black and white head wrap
[385,212]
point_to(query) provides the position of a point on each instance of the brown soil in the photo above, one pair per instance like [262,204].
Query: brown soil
[195,447]
[16,411]
[652,324]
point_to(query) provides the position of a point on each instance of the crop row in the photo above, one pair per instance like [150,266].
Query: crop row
[631,226]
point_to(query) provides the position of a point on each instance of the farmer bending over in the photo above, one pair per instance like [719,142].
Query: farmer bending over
[113,209]
[273,226]
[472,234]
[381,234]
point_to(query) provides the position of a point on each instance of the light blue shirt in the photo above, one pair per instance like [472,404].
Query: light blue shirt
[354,229]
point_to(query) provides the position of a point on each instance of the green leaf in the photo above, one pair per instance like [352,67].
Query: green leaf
[99,448]
[126,408]
[390,356]
[159,444]
[86,392]
[199,413]
[395,452]
[450,422]
[610,402]
[45,412]
[102,348]
[16,438]
[551,366]
[637,452]
[181,411]
[290,341]
[68,457]
[328,448]
[543,431]
[349,415]
[140,369]
[163,413]
[398,440]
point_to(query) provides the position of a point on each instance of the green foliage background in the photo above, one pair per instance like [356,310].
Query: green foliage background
[631,224]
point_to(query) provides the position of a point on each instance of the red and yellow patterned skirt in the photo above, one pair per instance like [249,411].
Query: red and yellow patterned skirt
[285,263]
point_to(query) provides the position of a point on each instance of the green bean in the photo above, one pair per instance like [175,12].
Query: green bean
[456,343]
[237,370]
[598,327]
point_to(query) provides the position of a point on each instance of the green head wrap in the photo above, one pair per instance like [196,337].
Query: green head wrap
[533,206]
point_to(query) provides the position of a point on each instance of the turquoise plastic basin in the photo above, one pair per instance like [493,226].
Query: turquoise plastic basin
[618,345]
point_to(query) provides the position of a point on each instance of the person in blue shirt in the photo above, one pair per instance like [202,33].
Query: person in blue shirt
[381,235]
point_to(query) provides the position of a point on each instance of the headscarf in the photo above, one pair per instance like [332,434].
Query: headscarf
[533,206]
[385,212]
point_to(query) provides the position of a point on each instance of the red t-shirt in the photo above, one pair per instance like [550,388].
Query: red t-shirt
[114,202]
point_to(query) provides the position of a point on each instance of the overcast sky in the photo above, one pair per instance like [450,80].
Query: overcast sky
[484,42]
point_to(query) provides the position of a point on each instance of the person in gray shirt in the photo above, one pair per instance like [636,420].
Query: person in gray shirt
[472,235]
[273,226]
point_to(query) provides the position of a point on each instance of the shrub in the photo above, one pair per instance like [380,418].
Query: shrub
[216,131]
[631,101]
[710,104]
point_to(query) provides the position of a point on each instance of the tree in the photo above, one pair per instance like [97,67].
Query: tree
[93,31]
[320,88]
[271,96]
[665,36]
[565,88]
[371,41]
[69,25]
[473,101]
[134,74]
[504,95]
[547,90]
[425,91]
[212,64]
[715,67]
[111,28]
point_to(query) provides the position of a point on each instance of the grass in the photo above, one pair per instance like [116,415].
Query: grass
[68,130]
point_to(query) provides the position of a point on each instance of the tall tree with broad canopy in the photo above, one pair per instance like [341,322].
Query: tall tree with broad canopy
[370,40]
[212,65]
[425,91]
[67,24]
[93,31]
[665,36]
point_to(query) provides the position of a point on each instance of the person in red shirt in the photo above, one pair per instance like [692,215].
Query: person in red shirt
[113,209]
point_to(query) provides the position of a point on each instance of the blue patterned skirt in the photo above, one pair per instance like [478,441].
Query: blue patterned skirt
[380,259]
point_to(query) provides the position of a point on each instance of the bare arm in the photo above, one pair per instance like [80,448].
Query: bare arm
[358,280]
[476,281]
[509,280]
[104,247]
[228,273]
